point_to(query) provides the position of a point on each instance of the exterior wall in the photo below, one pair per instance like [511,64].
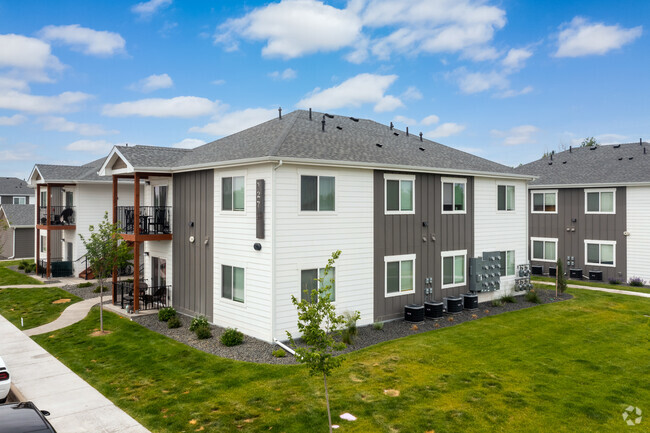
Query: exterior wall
[234,237]
[6,238]
[305,240]
[160,249]
[24,239]
[638,253]
[496,230]
[192,262]
[406,234]
[570,206]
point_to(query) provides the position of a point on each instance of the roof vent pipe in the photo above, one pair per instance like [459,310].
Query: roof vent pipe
[280,112]
[407,131]
[323,123]
[570,149]
[644,149]
[420,136]
[551,156]
[310,114]
[640,142]
[391,126]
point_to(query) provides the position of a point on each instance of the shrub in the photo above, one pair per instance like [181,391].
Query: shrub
[166,313]
[84,285]
[173,322]
[497,302]
[203,332]
[614,281]
[636,282]
[23,264]
[232,337]
[199,322]
[561,277]
[532,296]
[279,353]
[509,299]
[350,331]
[28,268]
[378,326]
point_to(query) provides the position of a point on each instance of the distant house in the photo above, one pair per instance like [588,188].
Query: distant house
[16,231]
[15,191]
[589,207]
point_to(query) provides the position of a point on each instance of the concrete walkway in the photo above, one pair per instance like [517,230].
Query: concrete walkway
[75,406]
[73,314]
[598,289]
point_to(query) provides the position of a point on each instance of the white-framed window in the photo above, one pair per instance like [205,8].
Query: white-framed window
[543,201]
[233,193]
[43,199]
[43,244]
[505,197]
[454,271]
[508,263]
[544,249]
[19,200]
[309,282]
[317,193]
[454,195]
[399,272]
[232,283]
[399,197]
[600,253]
[600,201]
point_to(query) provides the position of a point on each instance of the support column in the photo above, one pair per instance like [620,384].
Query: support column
[48,252]
[136,244]
[114,222]
[38,231]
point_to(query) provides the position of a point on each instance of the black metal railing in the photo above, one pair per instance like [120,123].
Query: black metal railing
[153,220]
[58,268]
[151,297]
[59,215]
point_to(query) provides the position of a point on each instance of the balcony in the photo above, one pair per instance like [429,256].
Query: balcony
[154,222]
[61,218]
[151,297]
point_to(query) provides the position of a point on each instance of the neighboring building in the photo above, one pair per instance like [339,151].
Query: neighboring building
[15,191]
[16,231]
[238,226]
[589,207]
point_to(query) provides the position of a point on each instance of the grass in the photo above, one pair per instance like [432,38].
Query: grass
[33,305]
[565,367]
[9,277]
[595,284]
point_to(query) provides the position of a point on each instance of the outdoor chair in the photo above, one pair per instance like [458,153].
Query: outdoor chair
[66,216]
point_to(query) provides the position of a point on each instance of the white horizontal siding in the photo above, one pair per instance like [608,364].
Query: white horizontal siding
[638,242]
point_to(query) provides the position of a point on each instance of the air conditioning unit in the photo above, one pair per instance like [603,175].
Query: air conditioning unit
[414,313]
[470,301]
[552,271]
[453,304]
[575,274]
[537,270]
[433,310]
[596,275]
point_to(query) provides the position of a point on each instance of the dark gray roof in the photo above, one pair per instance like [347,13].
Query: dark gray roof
[75,173]
[14,186]
[611,164]
[19,214]
[152,156]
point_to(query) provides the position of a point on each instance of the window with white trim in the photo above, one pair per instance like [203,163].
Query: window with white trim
[600,201]
[544,202]
[506,197]
[317,193]
[232,283]
[453,268]
[453,195]
[43,199]
[400,275]
[400,194]
[43,244]
[232,193]
[600,253]
[19,200]
[544,249]
[508,263]
[313,279]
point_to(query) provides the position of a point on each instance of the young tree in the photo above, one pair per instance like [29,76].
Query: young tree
[105,252]
[560,278]
[589,142]
[319,325]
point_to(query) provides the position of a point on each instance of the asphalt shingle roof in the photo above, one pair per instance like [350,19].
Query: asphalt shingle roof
[152,156]
[19,214]
[607,164]
[78,173]
[14,186]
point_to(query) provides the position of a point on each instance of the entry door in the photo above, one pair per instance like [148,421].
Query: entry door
[68,251]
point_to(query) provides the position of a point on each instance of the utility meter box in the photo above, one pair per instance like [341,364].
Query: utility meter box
[485,272]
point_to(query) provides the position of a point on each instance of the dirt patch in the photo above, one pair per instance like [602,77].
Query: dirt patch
[62,301]
[100,333]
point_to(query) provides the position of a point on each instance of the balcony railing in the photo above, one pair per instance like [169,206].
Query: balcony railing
[59,215]
[151,297]
[153,220]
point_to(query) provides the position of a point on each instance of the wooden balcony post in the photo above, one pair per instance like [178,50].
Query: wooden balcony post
[38,231]
[48,252]
[136,244]
[114,222]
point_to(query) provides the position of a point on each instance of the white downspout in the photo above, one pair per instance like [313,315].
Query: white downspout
[13,243]
[273,235]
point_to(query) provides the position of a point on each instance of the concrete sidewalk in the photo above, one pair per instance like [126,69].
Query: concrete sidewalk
[73,314]
[598,289]
[75,406]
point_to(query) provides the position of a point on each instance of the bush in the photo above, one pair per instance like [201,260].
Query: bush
[378,326]
[509,299]
[279,353]
[166,313]
[614,281]
[636,282]
[173,322]
[23,264]
[199,322]
[532,296]
[232,337]
[84,285]
[28,268]
[203,332]
[497,302]
[350,331]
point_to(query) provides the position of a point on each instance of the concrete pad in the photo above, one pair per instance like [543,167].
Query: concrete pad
[94,417]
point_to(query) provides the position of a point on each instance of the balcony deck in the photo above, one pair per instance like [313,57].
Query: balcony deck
[153,223]
[61,218]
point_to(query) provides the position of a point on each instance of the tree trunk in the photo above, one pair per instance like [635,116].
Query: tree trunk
[101,306]
[327,400]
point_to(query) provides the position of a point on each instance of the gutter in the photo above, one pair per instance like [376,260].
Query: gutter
[588,185]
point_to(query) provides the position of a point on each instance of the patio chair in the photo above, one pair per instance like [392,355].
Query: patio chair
[128,220]
[159,222]
[66,216]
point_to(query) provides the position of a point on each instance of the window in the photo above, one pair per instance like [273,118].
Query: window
[69,199]
[508,263]
[601,201]
[544,201]
[232,283]
[453,195]
[43,199]
[399,272]
[160,195]
[19,200]
[506,197]
[158,272]
[43,244]
[400,194]
[232,193]
[544,249]
[309,282]
[453,268]
[317,193]
[601,253]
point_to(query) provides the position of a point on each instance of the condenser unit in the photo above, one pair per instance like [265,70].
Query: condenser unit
[414,313]
[433,310]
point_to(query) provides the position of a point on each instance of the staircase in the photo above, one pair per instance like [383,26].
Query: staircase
[87,274]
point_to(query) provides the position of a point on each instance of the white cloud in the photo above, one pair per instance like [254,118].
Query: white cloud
[412,94]
[153,82]
[22,52]
[581,38]
[150,7]
[16,155]
[518,135]
[60,124]
[445,130]
[64,102]
[88,41]
[14,120]
[236,121]
[511,92]
[354,92]
[405,120]
[476,82]
[8,83]
[430,120]
[92,146]
[516,58]
[218,82]
[180,106]
[287,74]
[189,143]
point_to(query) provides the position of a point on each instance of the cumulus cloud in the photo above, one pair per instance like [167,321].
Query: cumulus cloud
[189,143]
[412,94]
[523,134]
[430,120]
[91,146]
[16,155]
[354,92]
[153,82]
[512,93]
[235,121]
[62,103]
[405,120]
[180,106]
[146,9]
[475,82]
[22,52]
[88,41]
[52,123]
[582,38]
[14,120]
[516,58]
[287,74]
[218,82]
[446,130]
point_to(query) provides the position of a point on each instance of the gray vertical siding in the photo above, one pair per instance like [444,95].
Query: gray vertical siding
[403,234]
[571,205]
[193,263]
[25,243]
[6,238]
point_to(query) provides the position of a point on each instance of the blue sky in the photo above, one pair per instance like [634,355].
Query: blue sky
[506,80]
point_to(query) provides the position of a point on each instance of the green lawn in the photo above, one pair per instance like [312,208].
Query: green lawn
[595,284]
[33,305]
[9,277]
[565,367]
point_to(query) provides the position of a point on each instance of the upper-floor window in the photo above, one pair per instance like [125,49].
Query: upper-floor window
[19,200]
[601,253]
[160,195]
[544,202]
[544,249]
[43,199]
[453,268]
[505,197]
[453,195]
[317,193]
[400,194]
[600,201]
[400,275]
[309,281]
[69,198]
[232,193]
